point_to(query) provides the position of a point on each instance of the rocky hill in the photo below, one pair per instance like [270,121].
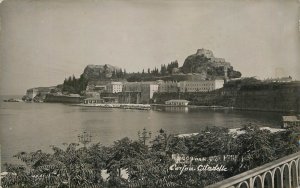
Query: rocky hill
[96,72]
[200,66]
[204,62]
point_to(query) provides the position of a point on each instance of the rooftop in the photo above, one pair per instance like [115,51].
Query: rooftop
[116,83]
[178,100]
[93,98]
[290,118]
[73,95]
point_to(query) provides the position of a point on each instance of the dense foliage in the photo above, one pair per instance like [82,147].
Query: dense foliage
[163,73]
[74,85]
[149,165]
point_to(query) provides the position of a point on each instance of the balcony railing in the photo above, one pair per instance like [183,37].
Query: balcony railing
[281,173]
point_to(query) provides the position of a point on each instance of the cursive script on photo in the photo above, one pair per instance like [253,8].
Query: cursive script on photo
[199,168]
[183,158]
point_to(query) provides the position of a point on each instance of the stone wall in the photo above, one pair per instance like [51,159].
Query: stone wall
[62,99]
[213,98]
[283,97]
[270,97]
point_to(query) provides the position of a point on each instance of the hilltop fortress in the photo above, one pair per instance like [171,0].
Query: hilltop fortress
[203,79]
[216,62]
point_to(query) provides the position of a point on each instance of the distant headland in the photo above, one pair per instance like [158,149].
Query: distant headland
[203,80]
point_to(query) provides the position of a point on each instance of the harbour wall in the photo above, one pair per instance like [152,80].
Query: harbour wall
[63,99]
[281,97]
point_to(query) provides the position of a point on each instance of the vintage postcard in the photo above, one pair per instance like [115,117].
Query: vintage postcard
[152,93]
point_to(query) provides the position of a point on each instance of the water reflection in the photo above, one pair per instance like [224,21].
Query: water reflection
[171,108]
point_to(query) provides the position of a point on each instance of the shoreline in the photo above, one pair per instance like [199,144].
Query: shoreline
[226,107]
[117,105]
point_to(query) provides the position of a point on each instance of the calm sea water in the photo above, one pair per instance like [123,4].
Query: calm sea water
[33,126]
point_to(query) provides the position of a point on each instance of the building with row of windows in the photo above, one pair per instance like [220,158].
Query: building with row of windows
[114,87]
[200,86]
[142,92]
[160,86]
[290,121]
[177,102]
[190,86]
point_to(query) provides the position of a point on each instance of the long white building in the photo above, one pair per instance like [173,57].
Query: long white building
[200,86]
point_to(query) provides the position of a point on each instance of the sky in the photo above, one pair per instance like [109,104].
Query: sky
[44,41]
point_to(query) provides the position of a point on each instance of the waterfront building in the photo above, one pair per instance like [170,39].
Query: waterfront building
[177,102]
[92,94]
[96,88]
[290,121]
[93,101]
[114,87]
[100,88]
[111,99]
[143,91]
[60,98]
[168,86]
[148,89]
[200,86]
[129,97]
[97,85]
[132,87]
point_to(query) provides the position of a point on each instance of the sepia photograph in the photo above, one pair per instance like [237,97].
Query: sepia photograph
[149,93]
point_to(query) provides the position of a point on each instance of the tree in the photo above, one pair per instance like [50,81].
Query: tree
[105,67]
[163,70]
[171,66]
[73,85]
[114,75]
[122,156]
[124,73]
[149,167]
[254,148]
[120,74]
[161,143]
[209,142]
[17,175]
[67,167]
[286,142]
